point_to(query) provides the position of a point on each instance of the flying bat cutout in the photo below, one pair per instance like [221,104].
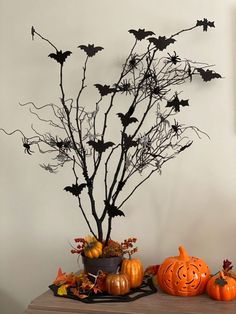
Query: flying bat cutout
[126,119]
[112,210]
[60,56]
[141,34]
[176,103]
[100,146]
[90,50]
[104,89]
[208,75]
[205,23]
[161,42]
[75,189]
[128,142]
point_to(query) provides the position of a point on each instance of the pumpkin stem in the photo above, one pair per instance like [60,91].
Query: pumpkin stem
[222,276]
[183,255]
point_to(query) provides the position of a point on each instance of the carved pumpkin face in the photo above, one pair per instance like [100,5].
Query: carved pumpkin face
[117,284]
[133,268]
[221,287]
[183,275]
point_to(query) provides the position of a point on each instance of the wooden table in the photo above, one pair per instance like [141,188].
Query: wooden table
[158,303]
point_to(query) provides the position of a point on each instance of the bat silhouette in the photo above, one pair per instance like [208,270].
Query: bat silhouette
[100,146]
[208,75]
[140,33]
[128,142]
[126,119]
[90,49]
[205,23]
[176,103]
[75,189]
[104,89]
[112,210]
[161,42]
[60,56]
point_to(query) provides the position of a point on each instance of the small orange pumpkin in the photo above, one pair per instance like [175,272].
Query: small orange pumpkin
[117,284]
[92,247]
[133,268]
[183,275]
[221,287]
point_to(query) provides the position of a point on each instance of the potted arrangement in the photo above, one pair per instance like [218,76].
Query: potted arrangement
[128,135]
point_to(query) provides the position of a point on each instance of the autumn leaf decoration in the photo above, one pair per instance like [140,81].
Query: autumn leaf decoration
[227,269]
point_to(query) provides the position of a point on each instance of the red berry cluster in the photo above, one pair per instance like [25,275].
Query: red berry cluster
[80,246]
[128,246]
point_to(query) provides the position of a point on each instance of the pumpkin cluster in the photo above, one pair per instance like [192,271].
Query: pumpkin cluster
[190,276]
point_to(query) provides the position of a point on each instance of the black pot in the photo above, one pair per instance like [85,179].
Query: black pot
[106,264]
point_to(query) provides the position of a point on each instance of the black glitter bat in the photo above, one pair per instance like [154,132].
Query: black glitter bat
[141,34]
[208,75]
[161,42]
[205,23]
[126,119]
[104,89]
[100,146]
[90,49]
[75,189]
[60,56]
[176,103]
[112,210]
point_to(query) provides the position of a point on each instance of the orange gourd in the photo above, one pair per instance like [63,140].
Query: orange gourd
[133,268]
[221,287]
[92,247]
[183,275]
[117,284]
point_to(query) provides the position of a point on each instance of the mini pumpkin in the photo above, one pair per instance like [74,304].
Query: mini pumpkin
[117,284]
[92,247]
[221,287]
[133,268]
[183,275]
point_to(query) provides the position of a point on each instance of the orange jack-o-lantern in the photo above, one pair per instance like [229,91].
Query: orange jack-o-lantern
[183,275]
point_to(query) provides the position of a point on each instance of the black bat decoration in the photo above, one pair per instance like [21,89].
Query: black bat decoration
[128,142]
[161,42]
[112,210]
[205,23]
[185,146]
[100,146]
[60,56]
[208,75]
[176,103]
[126,119]
[141,34]
[75,189]
[90,49]
[104,89]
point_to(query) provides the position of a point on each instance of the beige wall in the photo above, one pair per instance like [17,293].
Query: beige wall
[192,203]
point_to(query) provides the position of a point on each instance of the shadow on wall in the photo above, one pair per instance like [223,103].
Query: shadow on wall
[8,305]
